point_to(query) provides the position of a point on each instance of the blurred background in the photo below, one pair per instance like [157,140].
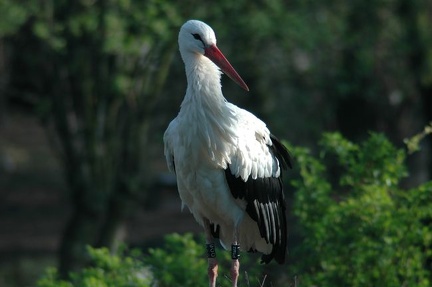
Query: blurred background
[88,87]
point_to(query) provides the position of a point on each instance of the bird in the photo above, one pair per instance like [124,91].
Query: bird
[227,164]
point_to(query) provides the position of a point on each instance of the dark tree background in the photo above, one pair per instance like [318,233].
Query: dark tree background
[104,78]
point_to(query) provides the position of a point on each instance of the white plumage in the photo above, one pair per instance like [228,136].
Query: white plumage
[227,164]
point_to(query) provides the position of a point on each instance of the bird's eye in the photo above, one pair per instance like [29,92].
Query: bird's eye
[197,37]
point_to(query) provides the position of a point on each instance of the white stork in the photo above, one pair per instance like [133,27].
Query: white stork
[228,165]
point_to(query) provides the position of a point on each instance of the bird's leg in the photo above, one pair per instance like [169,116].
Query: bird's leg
[211,254]
[235,255]
[212,264]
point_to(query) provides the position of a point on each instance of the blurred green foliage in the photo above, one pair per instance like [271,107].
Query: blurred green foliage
[104,270]
[92,72]
[179,262]
[413,143]
[348,65]
[358,226]
[13,16]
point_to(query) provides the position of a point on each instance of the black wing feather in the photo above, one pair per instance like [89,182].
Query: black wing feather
[281,152]
[265,203]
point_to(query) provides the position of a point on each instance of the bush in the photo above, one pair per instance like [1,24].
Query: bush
[106,270]
[181,261]
[359,228]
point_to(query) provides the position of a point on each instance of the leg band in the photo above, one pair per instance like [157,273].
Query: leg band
[235,251]
[211,250]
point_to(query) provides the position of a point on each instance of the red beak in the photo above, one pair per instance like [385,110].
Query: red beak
[216,56]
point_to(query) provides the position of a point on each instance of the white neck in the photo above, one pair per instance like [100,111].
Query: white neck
[203,77]
[205,110]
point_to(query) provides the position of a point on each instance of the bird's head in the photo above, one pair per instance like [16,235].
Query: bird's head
[198,38]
